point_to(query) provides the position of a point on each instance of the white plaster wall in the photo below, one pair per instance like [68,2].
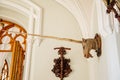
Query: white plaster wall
[13,16]
[112,58]
[108,68]
[57,21]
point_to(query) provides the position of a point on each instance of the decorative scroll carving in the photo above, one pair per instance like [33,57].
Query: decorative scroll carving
[89,44]
[61,67]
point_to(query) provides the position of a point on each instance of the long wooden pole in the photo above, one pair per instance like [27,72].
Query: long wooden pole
[50,37]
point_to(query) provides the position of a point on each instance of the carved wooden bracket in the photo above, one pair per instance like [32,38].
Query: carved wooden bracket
[110,7]
[61,67]
[89,44]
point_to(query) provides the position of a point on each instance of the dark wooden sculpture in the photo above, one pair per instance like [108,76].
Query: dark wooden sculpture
[61,67]
[110,7]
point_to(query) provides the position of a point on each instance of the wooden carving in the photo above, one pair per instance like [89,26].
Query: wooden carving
[17,45]
[110,7]
[5,71]
[89,44]
[61,67]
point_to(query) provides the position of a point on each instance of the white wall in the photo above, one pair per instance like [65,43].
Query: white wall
[109,67]
[111,50]
[13,16]
[57,21]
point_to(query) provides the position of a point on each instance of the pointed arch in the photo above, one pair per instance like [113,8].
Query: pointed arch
[5,71]
[6,32]
[11,34]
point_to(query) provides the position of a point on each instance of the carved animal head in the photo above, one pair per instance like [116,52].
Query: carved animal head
[89,44]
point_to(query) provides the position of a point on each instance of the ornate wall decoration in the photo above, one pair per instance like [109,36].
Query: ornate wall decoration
[61,67]
[89,44]
[13,39]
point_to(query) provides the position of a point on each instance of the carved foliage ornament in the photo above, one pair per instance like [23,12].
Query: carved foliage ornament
[61,67]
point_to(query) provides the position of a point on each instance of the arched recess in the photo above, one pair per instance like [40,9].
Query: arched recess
[31,20]
[13,39]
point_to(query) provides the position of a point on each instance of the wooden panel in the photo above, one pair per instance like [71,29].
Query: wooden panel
[17,62]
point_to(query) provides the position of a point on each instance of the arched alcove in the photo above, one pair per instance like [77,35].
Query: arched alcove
[5,71]
[9,32]
[27,14]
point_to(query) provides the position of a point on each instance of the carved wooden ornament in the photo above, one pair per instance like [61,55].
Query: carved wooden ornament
[89,44]
[61,67]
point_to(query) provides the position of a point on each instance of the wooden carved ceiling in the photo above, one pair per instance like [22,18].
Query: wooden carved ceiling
[7,35]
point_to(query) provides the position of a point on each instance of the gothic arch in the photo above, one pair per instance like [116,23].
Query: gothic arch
[78,12]
[11,32]
[33,13]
